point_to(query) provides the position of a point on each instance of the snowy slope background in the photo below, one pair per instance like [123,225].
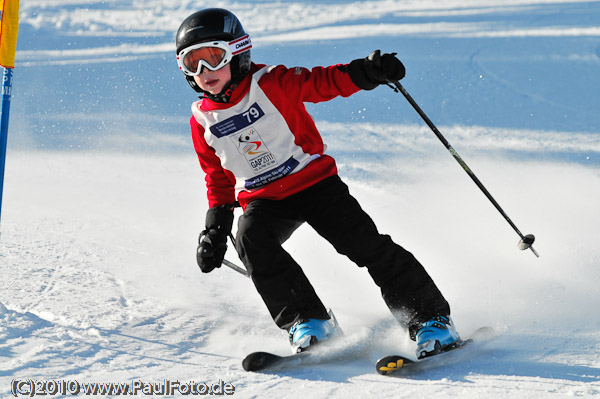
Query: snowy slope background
[104,197]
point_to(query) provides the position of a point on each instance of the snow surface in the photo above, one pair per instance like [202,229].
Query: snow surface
[104,197]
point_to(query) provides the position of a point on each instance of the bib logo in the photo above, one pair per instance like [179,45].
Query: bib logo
[250,144]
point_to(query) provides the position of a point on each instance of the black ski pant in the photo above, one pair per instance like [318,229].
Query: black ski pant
[328,207]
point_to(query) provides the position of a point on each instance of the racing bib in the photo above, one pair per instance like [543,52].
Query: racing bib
[252,139]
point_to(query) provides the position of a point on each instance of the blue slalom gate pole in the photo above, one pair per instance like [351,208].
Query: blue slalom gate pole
[6,92]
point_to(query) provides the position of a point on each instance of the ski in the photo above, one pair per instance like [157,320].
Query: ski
[392,364]
[332,350]
[258,361]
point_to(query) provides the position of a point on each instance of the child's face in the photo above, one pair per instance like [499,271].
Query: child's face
[213,81]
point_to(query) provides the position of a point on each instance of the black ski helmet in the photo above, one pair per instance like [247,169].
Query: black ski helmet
[214,24]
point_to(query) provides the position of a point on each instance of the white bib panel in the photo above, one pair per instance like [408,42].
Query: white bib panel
[252,139]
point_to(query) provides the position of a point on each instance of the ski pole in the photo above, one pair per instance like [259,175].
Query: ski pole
[525,241]
[235,267]
[232,265]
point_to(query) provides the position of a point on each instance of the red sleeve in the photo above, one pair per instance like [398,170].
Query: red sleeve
[220,183]
[315,85]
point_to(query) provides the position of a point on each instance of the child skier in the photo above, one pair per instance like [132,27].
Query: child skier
[258,146]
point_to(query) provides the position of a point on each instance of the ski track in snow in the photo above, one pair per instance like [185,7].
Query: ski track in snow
[100,220]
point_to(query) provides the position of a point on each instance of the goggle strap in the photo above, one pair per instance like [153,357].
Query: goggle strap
[240,45]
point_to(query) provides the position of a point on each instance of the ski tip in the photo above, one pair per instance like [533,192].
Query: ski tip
[248,363]
[258,361]
[389,364]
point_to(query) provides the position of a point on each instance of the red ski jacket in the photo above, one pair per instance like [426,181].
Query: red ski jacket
[263,143]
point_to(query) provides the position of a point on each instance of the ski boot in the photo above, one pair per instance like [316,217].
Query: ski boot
[435,336]
[307,333]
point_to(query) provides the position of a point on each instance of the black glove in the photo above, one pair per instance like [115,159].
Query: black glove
[368,73]
[212,243]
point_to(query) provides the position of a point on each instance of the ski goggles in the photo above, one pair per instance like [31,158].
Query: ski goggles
[212,55]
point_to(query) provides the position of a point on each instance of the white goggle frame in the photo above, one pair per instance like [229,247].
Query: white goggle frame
[231,49]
